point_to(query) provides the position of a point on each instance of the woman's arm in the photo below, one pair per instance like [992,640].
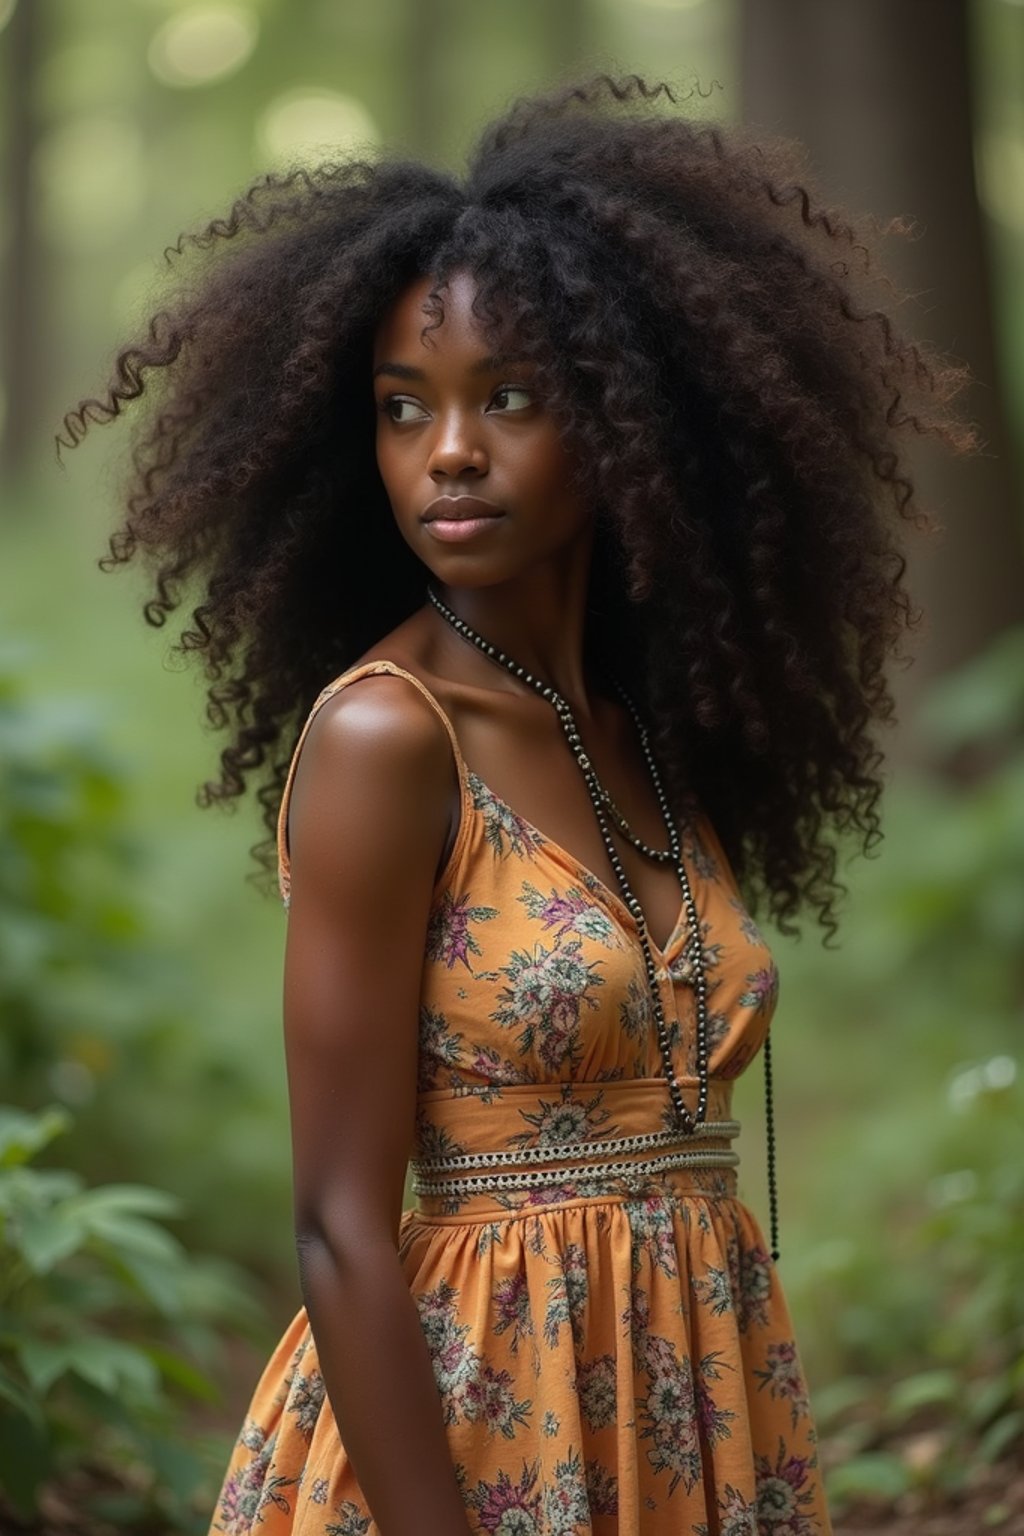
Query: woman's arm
[367,824]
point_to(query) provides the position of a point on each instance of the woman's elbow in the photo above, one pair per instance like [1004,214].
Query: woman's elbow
[343,1248]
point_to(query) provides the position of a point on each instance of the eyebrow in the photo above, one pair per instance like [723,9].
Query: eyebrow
[493,364]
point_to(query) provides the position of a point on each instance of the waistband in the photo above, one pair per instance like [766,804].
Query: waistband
[481,1154]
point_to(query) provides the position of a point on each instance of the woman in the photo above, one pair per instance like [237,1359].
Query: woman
[556,507]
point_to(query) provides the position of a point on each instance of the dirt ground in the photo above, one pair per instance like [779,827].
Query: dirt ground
[996,1505]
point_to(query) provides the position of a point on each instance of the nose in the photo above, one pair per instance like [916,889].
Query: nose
[457,446]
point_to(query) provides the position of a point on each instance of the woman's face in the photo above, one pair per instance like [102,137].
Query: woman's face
[455,423]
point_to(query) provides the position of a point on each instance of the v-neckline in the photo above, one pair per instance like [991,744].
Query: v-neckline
[611,898]
[590,879]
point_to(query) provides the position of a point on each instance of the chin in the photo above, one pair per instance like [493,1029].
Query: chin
[458,564]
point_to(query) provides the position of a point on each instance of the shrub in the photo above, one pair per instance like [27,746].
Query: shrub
[911,1315]
[104,1320]
[103,983]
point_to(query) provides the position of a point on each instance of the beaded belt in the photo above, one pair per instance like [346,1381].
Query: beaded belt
[581,1160]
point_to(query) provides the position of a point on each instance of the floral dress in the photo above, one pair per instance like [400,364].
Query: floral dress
[612,1349]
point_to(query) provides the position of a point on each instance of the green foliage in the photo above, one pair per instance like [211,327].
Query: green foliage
[103,999]
[104,1320]
[109,1332]
[80,976]
[912,1317]
[924,1301]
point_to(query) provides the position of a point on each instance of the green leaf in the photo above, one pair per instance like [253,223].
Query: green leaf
[157,1281]
[924,1390]
[982,698]
[135,1234]
[875,1475]
[22,1134]
[22,1189]
[126,1200]
[181,1373]
[999,1436]
[986,1398]
[43,1361]
[113,1365]
[835,1399]
[14,1393]
[45,1237]
[109,1364]
[119,1216]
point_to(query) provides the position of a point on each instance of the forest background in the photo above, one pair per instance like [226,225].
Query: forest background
[146,1258]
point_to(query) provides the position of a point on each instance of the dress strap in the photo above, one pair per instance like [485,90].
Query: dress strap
[341,681]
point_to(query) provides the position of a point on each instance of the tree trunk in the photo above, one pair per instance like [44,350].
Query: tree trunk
[23,340]
[879,91]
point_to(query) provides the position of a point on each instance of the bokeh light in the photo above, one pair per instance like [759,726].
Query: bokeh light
[311,120]
[90,180]
[671,5]
[203,44]
[999,168]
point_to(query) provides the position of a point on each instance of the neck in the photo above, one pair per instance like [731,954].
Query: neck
[548,640]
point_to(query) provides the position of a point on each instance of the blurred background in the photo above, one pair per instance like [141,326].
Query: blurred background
[146,1259]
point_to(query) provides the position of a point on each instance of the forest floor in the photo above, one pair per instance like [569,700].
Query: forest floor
[995,1504]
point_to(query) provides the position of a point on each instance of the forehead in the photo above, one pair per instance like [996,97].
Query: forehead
[399,327]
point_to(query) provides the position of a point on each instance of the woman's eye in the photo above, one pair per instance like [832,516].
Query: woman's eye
[387,407]
[392,404]
[514,389]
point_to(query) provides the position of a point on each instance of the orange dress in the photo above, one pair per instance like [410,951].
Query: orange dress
[612,1349]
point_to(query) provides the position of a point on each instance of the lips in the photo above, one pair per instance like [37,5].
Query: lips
[459,509]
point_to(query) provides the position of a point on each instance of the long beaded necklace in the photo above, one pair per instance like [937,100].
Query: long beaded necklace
[602,802]
[691,968]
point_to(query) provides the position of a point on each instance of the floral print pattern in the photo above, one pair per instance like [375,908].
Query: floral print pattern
[450,933]
[469,1388]
[242,1493]
[563,1120]
[785,1494]
[595,1383]
[567,912]
[351,1521]
[544,998]
[783,1378]
[507,834]
[761,989]
[613,1353]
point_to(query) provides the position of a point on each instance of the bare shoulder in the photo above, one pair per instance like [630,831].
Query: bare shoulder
[382,717]
[376,766]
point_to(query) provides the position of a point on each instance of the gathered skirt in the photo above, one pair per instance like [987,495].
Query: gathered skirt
[620,1364]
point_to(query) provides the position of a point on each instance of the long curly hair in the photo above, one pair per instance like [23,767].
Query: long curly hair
[704,330]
